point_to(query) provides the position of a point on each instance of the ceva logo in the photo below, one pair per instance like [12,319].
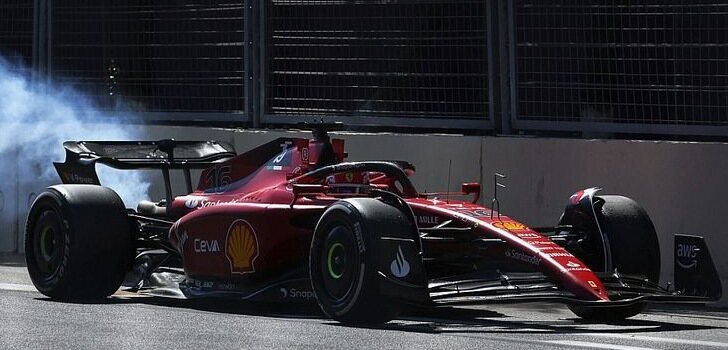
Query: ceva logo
[203,246]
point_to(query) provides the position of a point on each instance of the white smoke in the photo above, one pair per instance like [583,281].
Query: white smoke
[36,118]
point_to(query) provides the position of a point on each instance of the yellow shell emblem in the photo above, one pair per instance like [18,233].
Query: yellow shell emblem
[241,247]
[509,225]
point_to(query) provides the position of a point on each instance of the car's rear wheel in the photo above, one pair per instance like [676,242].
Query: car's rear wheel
[634,250]
[344,261]
[77,242]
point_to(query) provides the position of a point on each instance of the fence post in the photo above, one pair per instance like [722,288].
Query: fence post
[252,61]
[492,57]
[41,41]
[512,70]
[261,61]
[500,56]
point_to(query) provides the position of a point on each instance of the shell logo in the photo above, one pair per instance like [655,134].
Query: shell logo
[509,225]
[241,247]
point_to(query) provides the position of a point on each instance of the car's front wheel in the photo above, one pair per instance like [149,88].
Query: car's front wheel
[634,250]
[344,260]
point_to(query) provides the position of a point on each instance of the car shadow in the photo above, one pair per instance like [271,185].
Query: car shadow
[275,310]
[13,260]
[464,321]
[420,320]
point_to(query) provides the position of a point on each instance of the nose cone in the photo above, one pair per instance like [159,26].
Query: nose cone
[585,285]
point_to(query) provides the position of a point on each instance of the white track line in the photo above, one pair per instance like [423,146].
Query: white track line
[17,287]
[659,339]
[590,345]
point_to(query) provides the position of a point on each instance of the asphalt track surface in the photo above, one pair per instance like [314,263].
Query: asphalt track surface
[127,321]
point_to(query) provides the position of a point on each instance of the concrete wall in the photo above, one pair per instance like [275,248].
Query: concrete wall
[8,193]
[680,184]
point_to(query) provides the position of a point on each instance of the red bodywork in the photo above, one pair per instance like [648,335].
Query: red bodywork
[244,224]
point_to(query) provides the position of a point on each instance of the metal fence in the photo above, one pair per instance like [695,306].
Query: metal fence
[644,66]
[626,66]
[378,60]
[171,56]
[16,33]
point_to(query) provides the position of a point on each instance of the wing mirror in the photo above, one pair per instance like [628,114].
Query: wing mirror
[306,190]
[301,190]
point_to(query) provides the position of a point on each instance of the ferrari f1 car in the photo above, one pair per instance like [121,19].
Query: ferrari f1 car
[292,221]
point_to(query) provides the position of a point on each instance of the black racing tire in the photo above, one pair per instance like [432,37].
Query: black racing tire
[344,261]
[634,248]
[607,314]
[78,242]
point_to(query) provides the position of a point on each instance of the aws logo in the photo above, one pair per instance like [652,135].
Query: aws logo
[509,225]
[241,247]
[687,255]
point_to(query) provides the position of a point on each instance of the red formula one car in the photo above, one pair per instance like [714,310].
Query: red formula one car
[291,221]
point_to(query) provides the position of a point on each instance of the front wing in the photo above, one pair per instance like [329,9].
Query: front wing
[535,287]
[695,281]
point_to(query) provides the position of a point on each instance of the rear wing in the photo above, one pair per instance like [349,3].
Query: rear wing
[82,156]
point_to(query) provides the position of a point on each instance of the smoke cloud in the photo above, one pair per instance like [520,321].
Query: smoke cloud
[35,120]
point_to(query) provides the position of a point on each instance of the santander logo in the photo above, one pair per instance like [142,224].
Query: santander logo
[192,202]
[199,203]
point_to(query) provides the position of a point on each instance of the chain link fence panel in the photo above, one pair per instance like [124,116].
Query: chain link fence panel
[371,58]
[16,34]
[177,55]
[634,62]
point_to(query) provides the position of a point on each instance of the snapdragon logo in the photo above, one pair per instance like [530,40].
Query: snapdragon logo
[294,293]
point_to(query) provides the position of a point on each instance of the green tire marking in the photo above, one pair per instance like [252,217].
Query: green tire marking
[331,268]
